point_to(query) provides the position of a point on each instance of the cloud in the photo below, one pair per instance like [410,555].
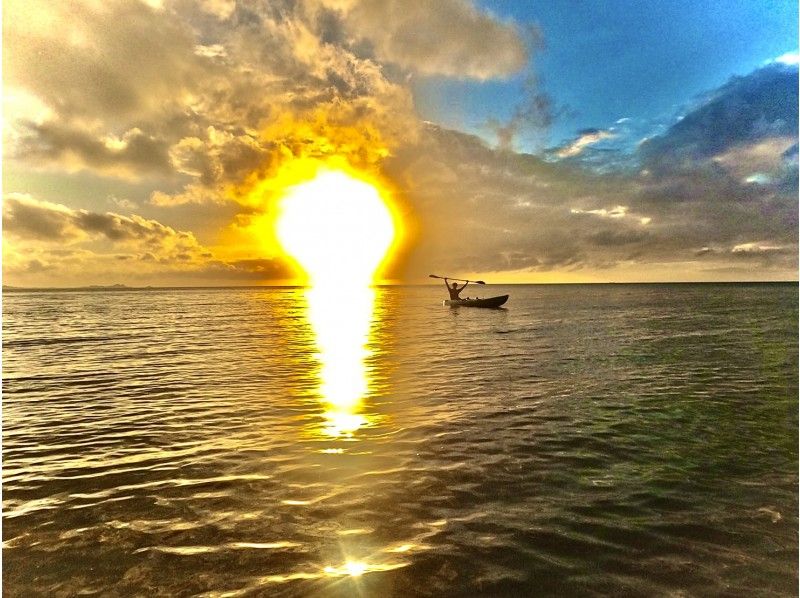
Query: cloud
[128,156]
[260,269]
[741,129]
[531,118]
[97,59]
[219,156]
[481,210]
[236,89]
[745,112]
[221,9]
[788,58]
[44,238]
[212,51]
[122,202]
[585,138]
[612,238]
[206,104]
[756,247]
[190,194]
[117,107]
[617,212]
[447,37]
[765,159]
[27,218]
[705,251]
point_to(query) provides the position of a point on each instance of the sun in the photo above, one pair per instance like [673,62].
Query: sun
[337,227]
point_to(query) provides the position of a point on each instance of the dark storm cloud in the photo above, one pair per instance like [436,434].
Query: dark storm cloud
[725,175]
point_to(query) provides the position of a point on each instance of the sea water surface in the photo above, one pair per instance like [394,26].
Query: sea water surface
[586,441]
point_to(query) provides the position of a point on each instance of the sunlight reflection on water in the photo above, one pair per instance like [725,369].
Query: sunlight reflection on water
[343,322]
[341,318]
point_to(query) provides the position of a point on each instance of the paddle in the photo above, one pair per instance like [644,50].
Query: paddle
[460,279]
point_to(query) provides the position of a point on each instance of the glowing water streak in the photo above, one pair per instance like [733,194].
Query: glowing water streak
[341,319]
[339,228]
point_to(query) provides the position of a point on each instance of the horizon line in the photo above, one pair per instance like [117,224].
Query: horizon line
[124,287]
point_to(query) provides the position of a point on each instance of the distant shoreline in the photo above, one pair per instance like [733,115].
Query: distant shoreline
[124,288]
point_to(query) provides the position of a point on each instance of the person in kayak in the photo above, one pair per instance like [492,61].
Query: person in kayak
[454,290]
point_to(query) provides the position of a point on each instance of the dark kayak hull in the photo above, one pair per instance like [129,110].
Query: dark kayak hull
[488,302]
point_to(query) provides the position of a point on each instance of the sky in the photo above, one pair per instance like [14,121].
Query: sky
[601,61]
[147,142]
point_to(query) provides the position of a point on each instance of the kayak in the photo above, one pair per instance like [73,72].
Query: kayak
[488,302]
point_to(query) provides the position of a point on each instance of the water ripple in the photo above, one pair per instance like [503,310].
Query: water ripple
[588,440]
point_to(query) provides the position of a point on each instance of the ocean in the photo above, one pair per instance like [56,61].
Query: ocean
[589,440]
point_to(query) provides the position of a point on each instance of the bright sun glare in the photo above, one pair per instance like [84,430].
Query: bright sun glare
[337,227]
